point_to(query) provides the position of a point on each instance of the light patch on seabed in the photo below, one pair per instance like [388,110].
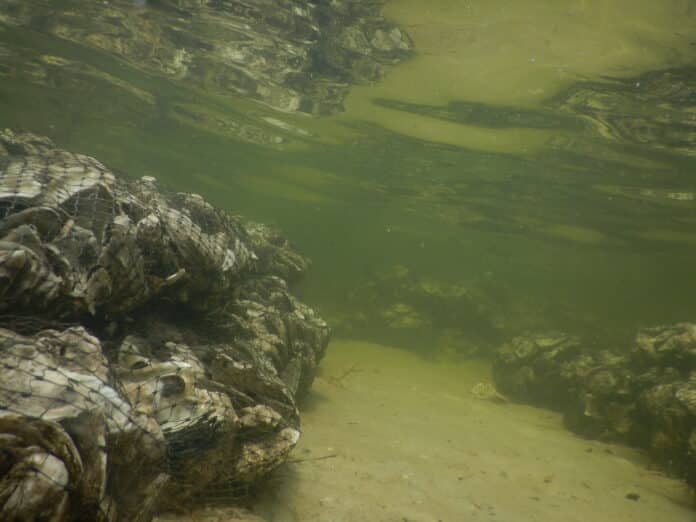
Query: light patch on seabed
[516,53]
[575,233]
[516,140]
[388,436]
[275,186]
[308,176]
[673,198]
[670,236]
[519,52]
[603,150]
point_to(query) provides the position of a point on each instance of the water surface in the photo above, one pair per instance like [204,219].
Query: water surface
[539,155]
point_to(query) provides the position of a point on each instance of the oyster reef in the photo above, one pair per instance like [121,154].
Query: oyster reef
[497,198]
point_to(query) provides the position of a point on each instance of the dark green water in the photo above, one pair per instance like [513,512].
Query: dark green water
[594,232]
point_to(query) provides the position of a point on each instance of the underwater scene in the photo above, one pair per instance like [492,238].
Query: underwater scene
[346,261]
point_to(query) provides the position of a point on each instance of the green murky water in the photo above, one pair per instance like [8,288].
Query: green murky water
[538,155]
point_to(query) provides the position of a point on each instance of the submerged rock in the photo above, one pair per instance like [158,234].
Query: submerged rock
[151,352]
[644,396]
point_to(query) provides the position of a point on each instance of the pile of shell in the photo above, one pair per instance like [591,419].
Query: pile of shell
[645,396]
[150,351]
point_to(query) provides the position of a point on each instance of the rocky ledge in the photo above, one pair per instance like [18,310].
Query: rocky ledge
[644,396]
[151,354]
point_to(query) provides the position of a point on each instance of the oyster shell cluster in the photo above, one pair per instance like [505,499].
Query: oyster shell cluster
[644,395]
[150,350]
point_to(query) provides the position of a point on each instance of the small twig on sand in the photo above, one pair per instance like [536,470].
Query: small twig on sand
[323,457]
[337,380]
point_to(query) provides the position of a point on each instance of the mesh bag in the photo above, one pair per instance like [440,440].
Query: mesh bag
[151,354]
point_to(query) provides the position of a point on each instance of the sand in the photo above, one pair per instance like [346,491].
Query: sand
[391,437]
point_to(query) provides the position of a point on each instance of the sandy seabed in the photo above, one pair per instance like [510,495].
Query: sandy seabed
[391,437]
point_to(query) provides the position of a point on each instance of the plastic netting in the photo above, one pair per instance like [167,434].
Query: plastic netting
[150,352]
